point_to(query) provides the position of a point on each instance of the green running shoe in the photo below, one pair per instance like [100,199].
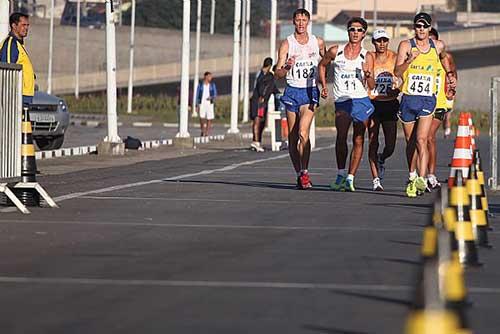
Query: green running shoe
[349,185]
[411,190]
[338,184]
[420,184]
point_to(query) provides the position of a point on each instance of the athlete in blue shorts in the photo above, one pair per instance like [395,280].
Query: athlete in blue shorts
[352,74]
[298,60]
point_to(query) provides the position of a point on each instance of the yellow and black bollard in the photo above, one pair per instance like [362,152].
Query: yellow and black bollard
[477,214]
[459,200]
[480,177]
[28,197]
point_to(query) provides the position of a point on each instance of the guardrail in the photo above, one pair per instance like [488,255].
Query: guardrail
[10,120]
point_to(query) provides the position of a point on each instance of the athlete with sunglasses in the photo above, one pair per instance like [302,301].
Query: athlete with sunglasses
[417,63]
[384,99]
[353,73]
[298,58]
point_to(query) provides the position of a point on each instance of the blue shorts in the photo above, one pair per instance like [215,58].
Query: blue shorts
[360,110]
[414,106]
[294,98]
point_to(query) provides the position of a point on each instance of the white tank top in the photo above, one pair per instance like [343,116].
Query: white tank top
[348,76]
[304,72]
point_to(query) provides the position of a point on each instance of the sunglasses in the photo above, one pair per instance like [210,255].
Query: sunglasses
[353,29]
[382,40]
[421,26]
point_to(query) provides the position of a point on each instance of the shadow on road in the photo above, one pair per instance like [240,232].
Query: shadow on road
[330,330]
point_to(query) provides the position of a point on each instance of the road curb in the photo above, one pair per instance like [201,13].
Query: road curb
[145,145]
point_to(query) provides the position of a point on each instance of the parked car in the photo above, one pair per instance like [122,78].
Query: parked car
[49,119]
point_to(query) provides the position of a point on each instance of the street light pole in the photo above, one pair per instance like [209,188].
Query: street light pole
[246,78]
[77,51]
[274,15]
[183,115]
[196,59]
[212,18]
[242,48]
[363,8]
[312,131]
[375,10]
[4,19]
[51,47]
[236,61]
[130,92]
[111,75]
[469,12]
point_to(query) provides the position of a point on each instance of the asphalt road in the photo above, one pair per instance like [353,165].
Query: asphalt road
[221,242]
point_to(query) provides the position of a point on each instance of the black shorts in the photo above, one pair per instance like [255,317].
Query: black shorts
[386,111]
[440,113]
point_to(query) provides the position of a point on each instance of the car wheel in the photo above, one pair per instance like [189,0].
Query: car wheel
[46,144]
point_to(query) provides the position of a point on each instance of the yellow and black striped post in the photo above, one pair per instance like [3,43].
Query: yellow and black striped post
[459,200]
[480,176]
[28,197]
[476,212]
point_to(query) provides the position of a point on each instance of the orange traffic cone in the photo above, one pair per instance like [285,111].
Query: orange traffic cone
[462,155]
[472,132]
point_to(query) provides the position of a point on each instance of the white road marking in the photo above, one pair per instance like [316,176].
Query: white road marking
[223,284]
[174,178]
[220,226]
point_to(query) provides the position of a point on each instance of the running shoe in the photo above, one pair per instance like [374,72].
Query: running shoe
[380,166]
[305,181]
[349,185]
[432,182]
[411,190]
[377,186]
[421,185]
[338,184]
[255,145]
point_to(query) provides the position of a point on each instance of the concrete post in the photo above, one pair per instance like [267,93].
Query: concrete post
[51,47]
[130,92]
[246,76]
[111,74]
[77,51]
[212,18]
[272,40]
[235,75]
[183,119]
[4,19]
[196,79]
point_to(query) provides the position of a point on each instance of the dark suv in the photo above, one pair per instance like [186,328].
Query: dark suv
[50,119]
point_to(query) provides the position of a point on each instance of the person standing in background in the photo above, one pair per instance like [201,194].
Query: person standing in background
[205,99]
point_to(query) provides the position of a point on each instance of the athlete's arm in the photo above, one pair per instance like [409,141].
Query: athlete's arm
[328,57]
[404,58]
[368,70]
[322,46]
[281,69]
[444,58]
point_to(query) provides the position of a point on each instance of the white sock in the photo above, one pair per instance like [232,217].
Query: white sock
[342,172]
[413,175]
[350,177]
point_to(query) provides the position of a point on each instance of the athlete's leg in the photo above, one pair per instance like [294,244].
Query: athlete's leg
[255,129]
[373,131]
[410,136]
[431,145]
[293,139]
[358,139]
[423,128]
[262,125]
[390,133]
[342,123]
[306,117]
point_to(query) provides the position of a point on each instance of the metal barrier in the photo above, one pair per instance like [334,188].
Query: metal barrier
[493,180]
[11,85]
[10,120]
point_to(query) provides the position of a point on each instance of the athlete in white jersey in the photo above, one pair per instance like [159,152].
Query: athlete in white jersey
[298,59]
[352,71]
